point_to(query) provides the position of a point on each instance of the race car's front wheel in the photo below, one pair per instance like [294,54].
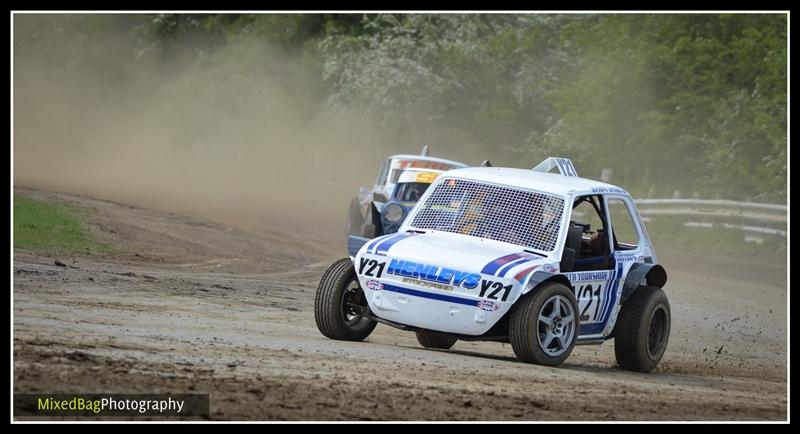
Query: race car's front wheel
[642,330]
[430,339]
[544,325]
[340,304]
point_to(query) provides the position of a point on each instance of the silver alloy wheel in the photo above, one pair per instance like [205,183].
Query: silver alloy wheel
[556,325]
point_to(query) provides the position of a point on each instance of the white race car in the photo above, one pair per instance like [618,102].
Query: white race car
[542,260]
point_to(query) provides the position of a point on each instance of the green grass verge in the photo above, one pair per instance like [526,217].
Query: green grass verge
[52,228]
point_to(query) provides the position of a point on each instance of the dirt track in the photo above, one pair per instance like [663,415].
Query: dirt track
[192,306]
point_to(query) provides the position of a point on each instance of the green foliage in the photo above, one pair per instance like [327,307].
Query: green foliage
[689,102]
[51,228]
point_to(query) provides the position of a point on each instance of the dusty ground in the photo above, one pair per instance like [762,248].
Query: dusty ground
[188,306]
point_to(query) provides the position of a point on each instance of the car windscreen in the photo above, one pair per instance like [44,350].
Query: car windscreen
[410,191]
[501,213]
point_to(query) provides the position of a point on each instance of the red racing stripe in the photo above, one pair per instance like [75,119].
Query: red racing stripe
[522,274]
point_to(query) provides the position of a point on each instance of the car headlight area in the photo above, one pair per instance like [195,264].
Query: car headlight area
[393,213]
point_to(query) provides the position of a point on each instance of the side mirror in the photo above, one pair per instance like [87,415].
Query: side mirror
[567,260]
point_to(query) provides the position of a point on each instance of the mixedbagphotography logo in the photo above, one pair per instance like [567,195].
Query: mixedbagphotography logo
[95,405]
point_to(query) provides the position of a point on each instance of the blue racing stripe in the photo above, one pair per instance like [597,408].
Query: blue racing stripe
[508,267]
[431,295]
[493,266]
[383,240]
[389,242]
[607,309]
[373,243]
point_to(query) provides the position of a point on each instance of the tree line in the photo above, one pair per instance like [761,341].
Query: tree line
[688,102]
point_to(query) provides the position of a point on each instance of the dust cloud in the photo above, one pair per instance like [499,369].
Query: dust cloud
[240,139]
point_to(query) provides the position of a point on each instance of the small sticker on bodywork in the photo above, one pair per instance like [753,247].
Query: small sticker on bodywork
[550,268]
[488,306]
[374,285]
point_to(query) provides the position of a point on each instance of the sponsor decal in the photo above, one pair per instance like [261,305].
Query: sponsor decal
[488,306]
[550,268]
[427,284]
[426,177]
[433,273]
[625,257]
[608,190]
[585,276]
[374,285]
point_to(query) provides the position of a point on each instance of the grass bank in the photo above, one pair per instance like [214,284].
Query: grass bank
[53,228]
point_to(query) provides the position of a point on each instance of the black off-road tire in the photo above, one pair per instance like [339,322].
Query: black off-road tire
[642,330]
[439,341]
[330,311]
[524,325]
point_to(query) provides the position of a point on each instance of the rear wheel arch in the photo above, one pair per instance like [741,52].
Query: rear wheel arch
[656,276]
[641,275]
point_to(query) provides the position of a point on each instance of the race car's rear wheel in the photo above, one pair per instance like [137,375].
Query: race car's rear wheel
[340,304]
[354,219]
[431,339]
[544,325]
[642,330]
